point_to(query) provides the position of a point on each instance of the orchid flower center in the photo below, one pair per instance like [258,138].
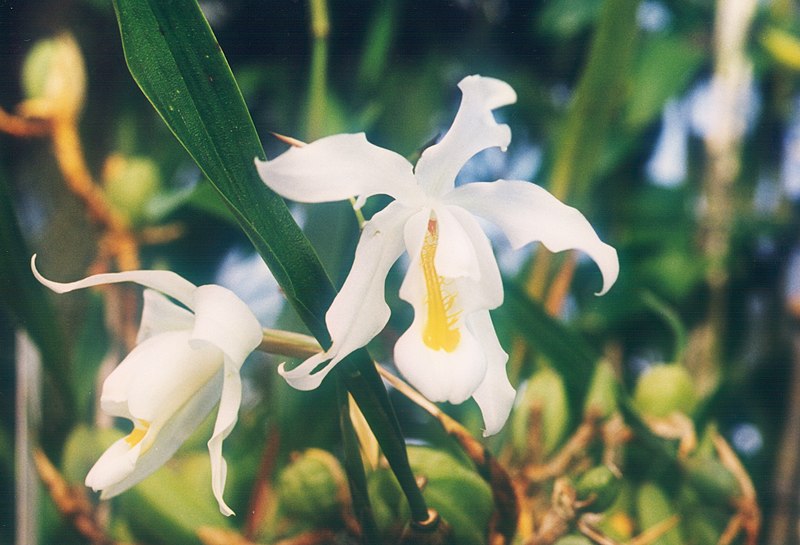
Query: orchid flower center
[137,434]
[440,332]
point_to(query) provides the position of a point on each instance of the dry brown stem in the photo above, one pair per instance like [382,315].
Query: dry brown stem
[574,448]
[21,126]
[748,514]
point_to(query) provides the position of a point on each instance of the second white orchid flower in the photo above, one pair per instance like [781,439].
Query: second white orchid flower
[451,351]
[186,360]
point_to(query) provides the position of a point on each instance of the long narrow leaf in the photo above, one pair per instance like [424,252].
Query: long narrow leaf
[570,356]
[176,60]
[598,98]
[27,303]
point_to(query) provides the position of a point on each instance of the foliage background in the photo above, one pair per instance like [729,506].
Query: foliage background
[391,71]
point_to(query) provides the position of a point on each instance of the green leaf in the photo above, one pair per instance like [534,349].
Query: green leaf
[567,351]
[27,303]
[91,346]
[597,99]
[566,18]
[666,65]
[170,505]
[176,60]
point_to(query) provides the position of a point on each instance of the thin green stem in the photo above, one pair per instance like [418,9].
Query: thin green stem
[318,79]
[354,468]
[672,320]
[380,416]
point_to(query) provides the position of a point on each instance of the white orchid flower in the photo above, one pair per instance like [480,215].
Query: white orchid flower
[184,363]
[451,351]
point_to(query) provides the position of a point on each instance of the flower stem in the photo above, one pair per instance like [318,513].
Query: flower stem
[354,468]
[317,92]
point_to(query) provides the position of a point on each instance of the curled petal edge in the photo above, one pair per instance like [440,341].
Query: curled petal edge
[166,282]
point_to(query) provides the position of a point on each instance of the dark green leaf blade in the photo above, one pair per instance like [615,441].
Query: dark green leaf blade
[176,60]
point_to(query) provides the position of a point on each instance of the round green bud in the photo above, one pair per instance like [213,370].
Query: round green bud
[310,488]
[665,389]
[545,396]
[599,486]
[130,183]
[54,75]
[712,481]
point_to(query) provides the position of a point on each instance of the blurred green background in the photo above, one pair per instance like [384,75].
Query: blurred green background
[697,189]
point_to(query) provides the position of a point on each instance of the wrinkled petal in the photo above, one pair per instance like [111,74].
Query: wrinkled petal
[117,470]
[226,322]
[160,314]
[336,168]
[227,415]
[166,282]
[359,311]
[474,129]
[495,395]
[526,213]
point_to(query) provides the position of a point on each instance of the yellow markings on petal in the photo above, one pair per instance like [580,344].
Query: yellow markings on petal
[440,332]
[137,434]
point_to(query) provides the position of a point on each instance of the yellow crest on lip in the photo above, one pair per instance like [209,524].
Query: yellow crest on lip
[440,332]
[137,434]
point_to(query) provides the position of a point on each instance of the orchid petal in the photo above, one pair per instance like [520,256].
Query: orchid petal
[495,395]
[168,437]
[166,282]
[226,322]
[227,415]
[474,129]
[455,253]
[114,465]
[160,314]
[527,213]
[488,292]
[169,371]
[359,311]
[301,376]
[336,168]
[437,374]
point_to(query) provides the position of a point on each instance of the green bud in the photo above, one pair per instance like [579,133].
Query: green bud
[310,488]
[712,481]
[701,525]
[130,183]
[54,77]
[544,394]
[600,486]
[602,398]
[665,389]
[653,507]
